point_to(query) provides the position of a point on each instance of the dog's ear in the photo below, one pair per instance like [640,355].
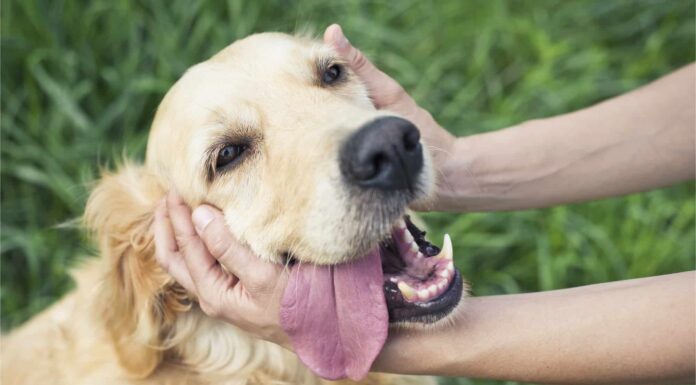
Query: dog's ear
[137,301]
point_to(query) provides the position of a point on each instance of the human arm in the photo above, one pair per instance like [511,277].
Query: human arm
[634,142]
[634,331]
[631,331]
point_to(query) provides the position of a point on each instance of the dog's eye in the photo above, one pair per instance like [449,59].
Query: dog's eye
[229,154]
[331,74]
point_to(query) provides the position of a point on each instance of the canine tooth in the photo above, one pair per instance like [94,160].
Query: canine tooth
[407,291]
[446,252]
[407,237]
[400,224]
[423,294]
[419,255]
[441,285]
[414,248]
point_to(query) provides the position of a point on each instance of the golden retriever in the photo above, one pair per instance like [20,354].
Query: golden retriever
[279,134]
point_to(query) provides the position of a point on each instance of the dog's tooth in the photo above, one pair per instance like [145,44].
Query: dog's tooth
[407,291]
[442,284]
[414,248]
[432,289]
[448,271]
[446,252]
[408,238]
[423,294]
[419,255]
[400,224]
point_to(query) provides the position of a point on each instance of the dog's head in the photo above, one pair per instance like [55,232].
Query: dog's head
[278,133]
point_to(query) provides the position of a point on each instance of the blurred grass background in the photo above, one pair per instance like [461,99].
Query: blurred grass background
[81,81]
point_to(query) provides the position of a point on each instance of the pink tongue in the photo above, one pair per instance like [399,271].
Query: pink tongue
[336,316]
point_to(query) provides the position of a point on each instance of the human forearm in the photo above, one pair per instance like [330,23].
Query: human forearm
[634,142]
[621,332]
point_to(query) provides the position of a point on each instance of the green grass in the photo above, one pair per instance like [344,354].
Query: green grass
[81,80]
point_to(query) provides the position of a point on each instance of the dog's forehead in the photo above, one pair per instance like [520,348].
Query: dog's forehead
[268,50]
[245,69]
[228,87]
[258,67]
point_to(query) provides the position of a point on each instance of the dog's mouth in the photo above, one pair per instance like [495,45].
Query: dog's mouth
[421,283]
[337,316]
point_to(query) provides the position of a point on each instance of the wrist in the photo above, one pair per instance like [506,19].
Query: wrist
[487,171]
[439,144]
[436,138]
[456,185]
[449,348]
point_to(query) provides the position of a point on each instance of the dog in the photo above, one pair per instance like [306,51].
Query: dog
[277,132]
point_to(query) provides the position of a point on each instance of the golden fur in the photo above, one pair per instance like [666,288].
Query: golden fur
[127,321]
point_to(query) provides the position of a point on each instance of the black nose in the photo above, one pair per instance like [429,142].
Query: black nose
[385,153]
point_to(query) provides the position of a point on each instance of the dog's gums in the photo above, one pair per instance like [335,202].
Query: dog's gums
[421,283]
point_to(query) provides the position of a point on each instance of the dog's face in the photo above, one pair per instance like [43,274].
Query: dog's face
[280,135]
[270,130]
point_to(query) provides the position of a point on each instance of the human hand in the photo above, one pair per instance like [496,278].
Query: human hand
[230,282]
[387,94]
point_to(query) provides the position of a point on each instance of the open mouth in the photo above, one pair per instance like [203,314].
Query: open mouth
[421,283]
[337,316]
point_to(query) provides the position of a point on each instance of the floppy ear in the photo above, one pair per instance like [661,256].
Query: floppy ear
[138,302]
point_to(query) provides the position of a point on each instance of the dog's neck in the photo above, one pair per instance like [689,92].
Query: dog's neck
[204,349]
[219,350]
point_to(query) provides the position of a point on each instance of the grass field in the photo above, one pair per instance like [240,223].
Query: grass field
[81,80]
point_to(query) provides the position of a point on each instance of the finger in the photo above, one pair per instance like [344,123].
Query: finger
[237,258]
[180,216]
[383,89]
[166,250]
[207,275]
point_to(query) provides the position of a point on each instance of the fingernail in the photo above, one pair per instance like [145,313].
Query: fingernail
[201,217]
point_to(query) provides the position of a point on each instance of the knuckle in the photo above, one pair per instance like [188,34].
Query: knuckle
[185,240]
[256,284]
[162,260]
[398,92]
[209,309]
[218,245]
[260,282]
[394,94]
[359,60]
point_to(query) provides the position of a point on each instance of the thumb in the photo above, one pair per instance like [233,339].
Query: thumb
[384,90]
[221,243]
